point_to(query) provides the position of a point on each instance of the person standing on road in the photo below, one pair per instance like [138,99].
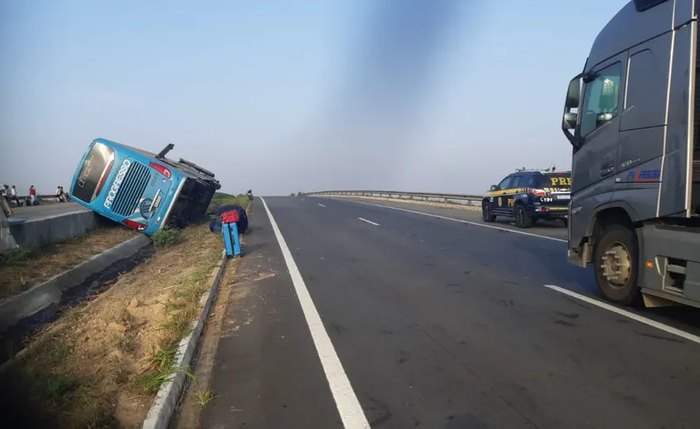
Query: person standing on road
[59,194]
[32,195]
[13,195]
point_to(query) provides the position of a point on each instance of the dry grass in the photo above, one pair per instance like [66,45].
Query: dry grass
[203,397]
[25,268]
[220,199]
[100,364]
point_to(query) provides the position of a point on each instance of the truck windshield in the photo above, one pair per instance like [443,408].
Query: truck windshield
[560,181]
[93,172]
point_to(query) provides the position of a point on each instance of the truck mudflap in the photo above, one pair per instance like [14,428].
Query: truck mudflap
[580,256]
[670,262]
[574,257]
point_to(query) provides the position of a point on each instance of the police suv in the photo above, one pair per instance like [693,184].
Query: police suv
[528,196]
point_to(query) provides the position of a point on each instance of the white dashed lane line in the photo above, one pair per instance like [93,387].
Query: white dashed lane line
[368,221]
[451,219]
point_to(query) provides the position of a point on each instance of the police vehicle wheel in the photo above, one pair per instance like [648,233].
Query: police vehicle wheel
[616,264]
[486,213]
[522,219]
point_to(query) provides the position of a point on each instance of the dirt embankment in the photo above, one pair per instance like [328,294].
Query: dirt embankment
[101,363]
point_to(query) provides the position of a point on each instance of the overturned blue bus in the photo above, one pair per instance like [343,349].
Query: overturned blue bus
[139,189]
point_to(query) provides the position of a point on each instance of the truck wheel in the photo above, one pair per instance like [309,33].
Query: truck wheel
[522,219]
[616,261]
[486,212]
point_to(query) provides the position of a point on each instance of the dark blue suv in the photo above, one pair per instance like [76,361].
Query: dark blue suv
[528,196]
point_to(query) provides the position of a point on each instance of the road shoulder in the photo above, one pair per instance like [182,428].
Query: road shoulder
[265,371]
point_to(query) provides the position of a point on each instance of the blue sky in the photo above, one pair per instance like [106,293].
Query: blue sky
[287,96]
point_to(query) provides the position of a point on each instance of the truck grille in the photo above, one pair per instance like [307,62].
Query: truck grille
[131,190]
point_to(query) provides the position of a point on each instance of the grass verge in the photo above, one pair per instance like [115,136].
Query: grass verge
[100,364]
[221,199]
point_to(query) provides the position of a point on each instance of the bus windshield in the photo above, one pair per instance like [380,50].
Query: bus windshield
[93,172]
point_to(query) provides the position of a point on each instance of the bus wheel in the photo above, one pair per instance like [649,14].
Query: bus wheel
[616,261]
[522,219]
[486,212]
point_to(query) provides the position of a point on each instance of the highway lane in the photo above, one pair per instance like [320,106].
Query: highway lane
[446,324]
[583,281]
[553,228]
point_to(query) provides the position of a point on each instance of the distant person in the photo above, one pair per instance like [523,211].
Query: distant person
[60,195]
[32,195]
[13,195]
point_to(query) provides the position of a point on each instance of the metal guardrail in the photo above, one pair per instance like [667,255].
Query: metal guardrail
[469,200]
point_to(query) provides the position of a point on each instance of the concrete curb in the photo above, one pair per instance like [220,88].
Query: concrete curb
[16,308]
[166,400]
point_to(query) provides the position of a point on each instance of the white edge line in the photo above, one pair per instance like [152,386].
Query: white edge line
[346,401]
[529,234]
[641,319]
[368,221]
[321,205]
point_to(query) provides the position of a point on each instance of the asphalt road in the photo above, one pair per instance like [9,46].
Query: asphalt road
[553,228]
[46,210]
[438,321]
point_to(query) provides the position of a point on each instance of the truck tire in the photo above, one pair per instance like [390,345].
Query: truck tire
[616,259]
[486,212]
[522,219]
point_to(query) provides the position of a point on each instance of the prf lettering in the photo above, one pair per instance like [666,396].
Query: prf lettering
[560,181]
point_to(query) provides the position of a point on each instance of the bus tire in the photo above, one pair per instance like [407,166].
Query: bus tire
[616,259]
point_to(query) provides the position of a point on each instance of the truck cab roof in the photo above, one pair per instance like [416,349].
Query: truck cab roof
[637,22]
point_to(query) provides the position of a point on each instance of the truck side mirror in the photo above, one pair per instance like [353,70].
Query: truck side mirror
[570,117]
[494,187]
[573,95]
[570,120]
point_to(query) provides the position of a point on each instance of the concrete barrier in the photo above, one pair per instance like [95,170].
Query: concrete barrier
[19,307]
[34,232]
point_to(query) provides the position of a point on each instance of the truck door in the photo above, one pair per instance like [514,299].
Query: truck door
[596,159]
[643,126]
